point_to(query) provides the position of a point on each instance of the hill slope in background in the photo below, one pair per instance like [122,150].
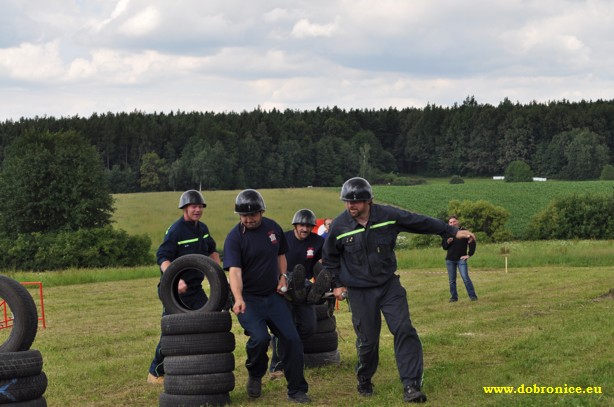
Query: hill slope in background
[523,200]
[152,213]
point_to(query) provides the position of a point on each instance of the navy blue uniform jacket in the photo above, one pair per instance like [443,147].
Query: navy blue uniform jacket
[363,257]
[186,237]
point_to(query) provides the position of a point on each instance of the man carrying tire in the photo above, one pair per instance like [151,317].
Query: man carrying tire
[254,255]
[188,235]
[359,253]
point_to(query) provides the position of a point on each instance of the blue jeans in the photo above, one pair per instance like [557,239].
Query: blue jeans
[464,272]
[304,316]
[271,312]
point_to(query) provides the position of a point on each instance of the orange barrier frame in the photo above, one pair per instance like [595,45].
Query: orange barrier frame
[7,322]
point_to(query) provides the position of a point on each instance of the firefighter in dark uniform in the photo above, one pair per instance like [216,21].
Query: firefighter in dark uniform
[359,253]
[188,235]
[304,252]
[254,255]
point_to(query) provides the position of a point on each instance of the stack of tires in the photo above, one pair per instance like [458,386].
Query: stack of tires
[198,344]
[322,348]
[22,380]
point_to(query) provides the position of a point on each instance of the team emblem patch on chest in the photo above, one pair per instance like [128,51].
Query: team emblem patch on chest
[272,237]
[310,252]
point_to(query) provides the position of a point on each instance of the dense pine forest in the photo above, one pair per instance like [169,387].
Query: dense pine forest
[323,147]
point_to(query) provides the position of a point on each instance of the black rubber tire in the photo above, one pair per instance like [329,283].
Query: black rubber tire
[324,310]
[22,388]
[182,400]
[199,364]
[326,325]
[322,359]
[218,284]
[39,402]
[20,364]
[196,323]
[324,342]
[213,383]
[25,322]
[197,344]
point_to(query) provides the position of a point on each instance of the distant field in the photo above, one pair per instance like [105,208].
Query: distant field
[522,200]
[153,213]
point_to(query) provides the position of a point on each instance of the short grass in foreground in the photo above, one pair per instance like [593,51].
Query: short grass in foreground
[549,326]
[581,253]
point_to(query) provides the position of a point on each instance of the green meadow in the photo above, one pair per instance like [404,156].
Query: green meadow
[543,319]
[152,213]
[522,199]
[544,326]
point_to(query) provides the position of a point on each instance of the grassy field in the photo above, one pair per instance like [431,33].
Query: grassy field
[545,322]
[548,326]
[522,199]
[152,213]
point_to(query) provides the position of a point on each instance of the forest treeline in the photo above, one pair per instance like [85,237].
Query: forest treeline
[325,146]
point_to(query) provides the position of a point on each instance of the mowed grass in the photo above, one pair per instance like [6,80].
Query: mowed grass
[522,199]
[545,322]
[549,326]
[152,213]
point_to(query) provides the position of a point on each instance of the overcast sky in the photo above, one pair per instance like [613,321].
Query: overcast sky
[76,57]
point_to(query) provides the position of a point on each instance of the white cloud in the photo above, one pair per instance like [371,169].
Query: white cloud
[32,62]
[305,29]
[141,24]
[236,55]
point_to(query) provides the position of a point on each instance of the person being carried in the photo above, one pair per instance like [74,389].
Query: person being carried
[458,252]
[254,255]
[359,253]
[188,235]
[303,255]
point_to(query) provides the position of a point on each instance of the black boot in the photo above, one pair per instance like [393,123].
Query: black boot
[365,387]
[321,286]
[296,286]
[412,394]
[254,387]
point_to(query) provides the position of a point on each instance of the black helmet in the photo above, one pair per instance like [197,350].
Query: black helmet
[249,201]
[356,189]
[304,217]
[191,196]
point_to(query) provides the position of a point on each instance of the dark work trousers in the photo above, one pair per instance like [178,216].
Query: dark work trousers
[304,316]
[194,300]
[271,312]
[391,300]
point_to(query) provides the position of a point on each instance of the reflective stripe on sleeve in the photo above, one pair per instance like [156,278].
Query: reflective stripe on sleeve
[191,240]
[377,225]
